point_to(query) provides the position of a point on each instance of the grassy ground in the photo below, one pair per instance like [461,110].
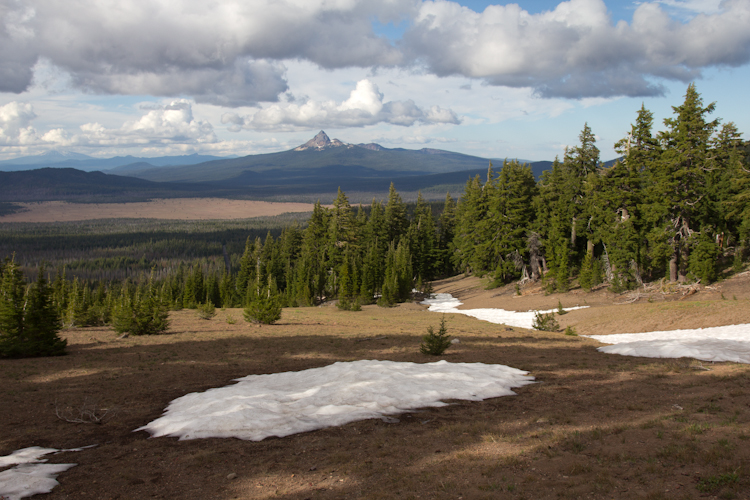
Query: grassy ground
[593,426]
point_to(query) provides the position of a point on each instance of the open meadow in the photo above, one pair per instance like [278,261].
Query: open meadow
[171,209]
[593,425]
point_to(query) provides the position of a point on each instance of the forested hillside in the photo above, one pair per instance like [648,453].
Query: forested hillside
[676,207]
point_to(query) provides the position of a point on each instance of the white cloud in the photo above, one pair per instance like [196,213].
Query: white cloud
[219,52]
[15,124]
[364,106]
[575,51]
[233,52]
[171,124]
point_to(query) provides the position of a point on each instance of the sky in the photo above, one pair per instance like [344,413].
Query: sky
[238,77]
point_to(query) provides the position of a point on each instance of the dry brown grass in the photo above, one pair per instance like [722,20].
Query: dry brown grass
[594,426]
[172,209]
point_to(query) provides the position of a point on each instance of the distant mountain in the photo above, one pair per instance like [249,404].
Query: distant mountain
[75,185]
[78,161]
[47,158]
[320,153]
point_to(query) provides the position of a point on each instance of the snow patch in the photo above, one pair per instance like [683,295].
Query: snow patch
[446,303]
[281,404]
[720,343]
[30,476]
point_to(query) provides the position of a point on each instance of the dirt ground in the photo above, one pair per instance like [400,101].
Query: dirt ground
[593,425]
[174,209]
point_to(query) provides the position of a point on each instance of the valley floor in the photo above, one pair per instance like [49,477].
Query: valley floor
[170,209]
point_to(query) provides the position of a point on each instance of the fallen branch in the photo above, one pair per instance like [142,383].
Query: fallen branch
[86,414]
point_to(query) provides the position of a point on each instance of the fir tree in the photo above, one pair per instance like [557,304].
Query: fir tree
[679,182]
[435,343]
[29,320]
[396,222]
[263,303]
[142,311]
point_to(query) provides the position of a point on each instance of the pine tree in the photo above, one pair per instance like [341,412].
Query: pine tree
[422,238]
[12,302]
[29,320]
[263,303]
[433,343]
[311,271]
[143,311]
[470,212]
[679,182]
[396,222]
[446,230]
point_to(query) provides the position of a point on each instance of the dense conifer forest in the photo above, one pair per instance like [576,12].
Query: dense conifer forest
[677,206]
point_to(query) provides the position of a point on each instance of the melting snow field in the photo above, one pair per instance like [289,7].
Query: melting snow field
[446,303]
[280,404]
[721,343]
[30,476]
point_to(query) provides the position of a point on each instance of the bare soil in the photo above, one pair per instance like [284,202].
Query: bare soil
[173,209]
[593,426]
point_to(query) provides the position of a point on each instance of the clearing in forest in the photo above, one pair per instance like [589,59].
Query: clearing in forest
[173,209]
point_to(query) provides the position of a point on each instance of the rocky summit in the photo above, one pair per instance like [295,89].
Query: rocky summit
[320,142]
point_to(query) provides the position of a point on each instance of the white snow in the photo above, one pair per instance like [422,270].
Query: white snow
[25,456]
[280,404]
[30,476]
[446,303]
[720,343]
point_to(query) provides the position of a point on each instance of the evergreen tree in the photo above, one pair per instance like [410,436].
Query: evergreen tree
[29,320]
[12,303]
[679,183]
[263,303]
[142,311]
[470,212]
[422,238]
[434,343]
[446,231]
[396,222]
[311,272]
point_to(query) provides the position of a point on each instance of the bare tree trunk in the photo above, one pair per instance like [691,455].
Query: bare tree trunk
[608,268]
[683,263]
[673,267]
[590,247]
[573,233]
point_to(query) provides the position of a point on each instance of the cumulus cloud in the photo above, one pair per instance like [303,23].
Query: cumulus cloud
[575,50]
[218,52]
[232,52]
[364,106]
[15,124]
[171,124]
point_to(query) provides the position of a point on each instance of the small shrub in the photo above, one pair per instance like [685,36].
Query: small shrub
[545,322]
[349,304]
[435,343]
[560,310]
[569,330]
[230,319]
[207,310]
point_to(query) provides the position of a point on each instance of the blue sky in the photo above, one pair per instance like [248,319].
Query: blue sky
[108,78]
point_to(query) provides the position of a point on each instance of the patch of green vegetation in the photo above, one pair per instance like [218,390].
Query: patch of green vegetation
[545,322]
[713,483]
